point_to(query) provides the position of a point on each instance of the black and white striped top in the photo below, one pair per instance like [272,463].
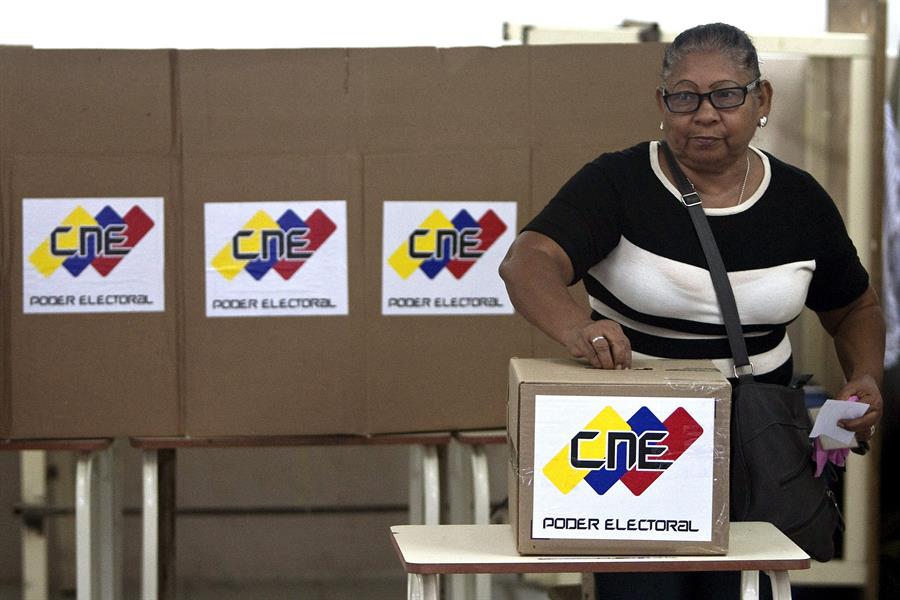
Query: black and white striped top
[631,241]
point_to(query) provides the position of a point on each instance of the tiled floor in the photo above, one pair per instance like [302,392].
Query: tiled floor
[311,590]
[505,587]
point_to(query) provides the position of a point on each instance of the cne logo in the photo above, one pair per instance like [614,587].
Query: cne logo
[101,241]
[264,244]
[454,244]
[610,449]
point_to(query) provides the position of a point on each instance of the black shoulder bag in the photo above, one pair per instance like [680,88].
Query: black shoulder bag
[772,470]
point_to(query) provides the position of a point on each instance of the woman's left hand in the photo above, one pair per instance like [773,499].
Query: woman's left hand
[858,332]
[866,390]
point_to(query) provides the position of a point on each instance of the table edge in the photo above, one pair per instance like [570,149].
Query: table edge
[584,564]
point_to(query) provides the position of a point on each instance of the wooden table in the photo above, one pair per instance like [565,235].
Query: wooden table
[98,514]
[429,550]
[158,554]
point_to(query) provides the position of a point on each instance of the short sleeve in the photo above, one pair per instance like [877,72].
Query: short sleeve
[839,277]
[583,217]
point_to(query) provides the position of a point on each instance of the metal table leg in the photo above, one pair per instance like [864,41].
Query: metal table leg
[422,587]
[781,585]
[749,585]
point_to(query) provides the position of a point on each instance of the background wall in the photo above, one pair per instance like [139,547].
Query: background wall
[355,23]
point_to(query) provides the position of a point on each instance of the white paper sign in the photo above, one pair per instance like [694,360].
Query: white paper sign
[93,255]
[441,258]
[623,468]
[266,259]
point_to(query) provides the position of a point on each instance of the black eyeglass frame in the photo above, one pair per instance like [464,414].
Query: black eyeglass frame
[709,96]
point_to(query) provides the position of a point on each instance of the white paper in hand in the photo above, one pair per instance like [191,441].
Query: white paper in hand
[832,412]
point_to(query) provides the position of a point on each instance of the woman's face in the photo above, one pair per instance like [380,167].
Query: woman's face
[712,139]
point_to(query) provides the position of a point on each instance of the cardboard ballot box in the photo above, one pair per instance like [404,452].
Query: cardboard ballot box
[618,462]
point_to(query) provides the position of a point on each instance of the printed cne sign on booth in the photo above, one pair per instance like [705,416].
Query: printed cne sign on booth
[441,258]
[93,255]
[619,461]
[267,259]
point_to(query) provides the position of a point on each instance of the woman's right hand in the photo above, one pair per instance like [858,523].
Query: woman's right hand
[537,272]
[602,343]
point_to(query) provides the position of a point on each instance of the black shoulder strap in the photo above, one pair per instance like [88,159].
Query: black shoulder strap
[743,370]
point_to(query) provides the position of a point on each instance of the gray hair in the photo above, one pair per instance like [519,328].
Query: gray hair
[714,37]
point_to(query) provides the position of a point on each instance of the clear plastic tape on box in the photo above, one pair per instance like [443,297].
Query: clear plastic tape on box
[721,448]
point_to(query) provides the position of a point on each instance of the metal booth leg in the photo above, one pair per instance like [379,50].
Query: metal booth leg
[109,478]
[35,572]
[424,486]
[482,507]
[150,523]
[158,549]
[87,547]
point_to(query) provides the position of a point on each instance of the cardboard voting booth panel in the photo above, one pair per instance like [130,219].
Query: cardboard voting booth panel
[272,231]
[441,327]
[443,190]
[618,462]
[593,95]
[266,102]
[89,189]
[427,99]
[272,346]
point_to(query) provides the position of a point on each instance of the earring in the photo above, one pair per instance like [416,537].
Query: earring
[660,125]
[763,120]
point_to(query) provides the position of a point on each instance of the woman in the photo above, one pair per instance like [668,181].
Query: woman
[618,225]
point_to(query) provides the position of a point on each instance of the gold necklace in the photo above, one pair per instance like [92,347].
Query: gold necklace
[743,184]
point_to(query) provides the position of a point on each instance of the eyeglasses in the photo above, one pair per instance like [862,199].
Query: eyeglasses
[688,102]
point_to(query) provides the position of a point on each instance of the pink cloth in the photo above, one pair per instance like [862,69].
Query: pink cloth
[837,457]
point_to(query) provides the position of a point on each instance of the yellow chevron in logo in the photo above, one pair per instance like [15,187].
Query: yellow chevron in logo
[225,262]
[43,260]
[560,471]
[401,261]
